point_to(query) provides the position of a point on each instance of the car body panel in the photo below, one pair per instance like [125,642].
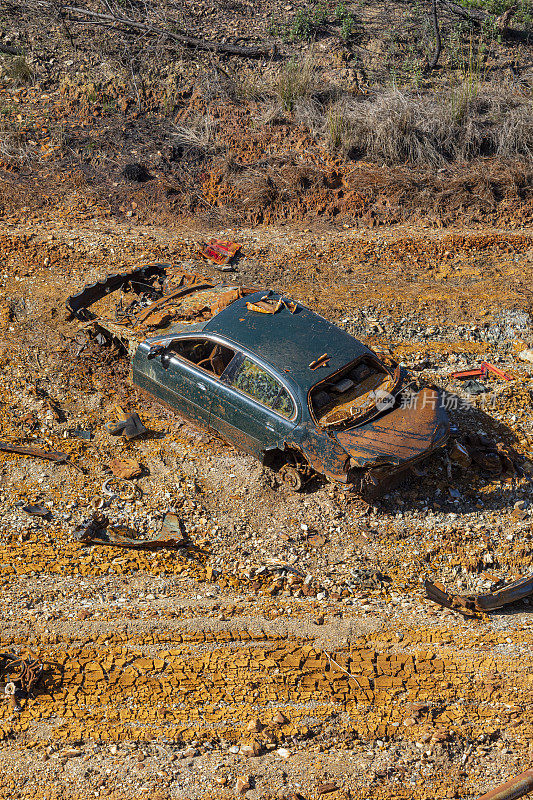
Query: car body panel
[179,384]
[401,435]
[290,342]
[248,424]
[325,455]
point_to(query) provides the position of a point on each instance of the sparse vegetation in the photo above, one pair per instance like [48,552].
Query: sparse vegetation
[338,130]
[315,19]
[522,9]
[362,92]
[296,80]
[198,138]
[397,128]
[306,23]
[19,72]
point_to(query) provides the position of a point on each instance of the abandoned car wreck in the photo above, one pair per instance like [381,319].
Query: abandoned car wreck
[269,375]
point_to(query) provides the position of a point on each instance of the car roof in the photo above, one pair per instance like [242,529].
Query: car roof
[288,341]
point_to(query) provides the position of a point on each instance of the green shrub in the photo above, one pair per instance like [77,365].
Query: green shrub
[306,23]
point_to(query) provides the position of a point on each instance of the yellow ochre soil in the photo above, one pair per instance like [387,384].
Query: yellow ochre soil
[334,677]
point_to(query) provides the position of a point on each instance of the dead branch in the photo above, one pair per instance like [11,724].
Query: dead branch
[438,43]
[11,51]
[113,19]
[353,677]
[481,18]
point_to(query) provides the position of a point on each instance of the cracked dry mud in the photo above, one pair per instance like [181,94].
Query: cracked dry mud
[300,658]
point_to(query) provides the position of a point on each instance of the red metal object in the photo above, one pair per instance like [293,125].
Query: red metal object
[220,251]
[516,787]
[479,372]
[499,372]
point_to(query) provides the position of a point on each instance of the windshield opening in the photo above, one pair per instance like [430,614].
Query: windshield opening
[351,393]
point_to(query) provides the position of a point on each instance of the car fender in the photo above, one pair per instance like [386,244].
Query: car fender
[324,454]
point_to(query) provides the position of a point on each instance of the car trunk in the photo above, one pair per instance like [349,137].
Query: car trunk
[355,393]
[402,435]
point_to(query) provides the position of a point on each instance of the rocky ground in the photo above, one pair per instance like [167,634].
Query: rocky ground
[299,657]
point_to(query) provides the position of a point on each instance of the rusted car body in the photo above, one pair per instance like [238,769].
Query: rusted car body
[271,376]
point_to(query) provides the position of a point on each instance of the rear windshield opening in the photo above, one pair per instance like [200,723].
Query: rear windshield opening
[349,394]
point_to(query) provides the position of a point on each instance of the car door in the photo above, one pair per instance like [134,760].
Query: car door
[252,408]
[174,377]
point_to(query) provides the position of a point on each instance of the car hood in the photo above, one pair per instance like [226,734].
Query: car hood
[403,434]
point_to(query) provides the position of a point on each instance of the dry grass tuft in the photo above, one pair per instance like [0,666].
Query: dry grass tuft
[19,72]
[197,139]
[516,132]
[14,148]
[309,114]
[431,130]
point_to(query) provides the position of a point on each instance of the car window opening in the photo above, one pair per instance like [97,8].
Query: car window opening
[256,382]
[205,353]
[350,394]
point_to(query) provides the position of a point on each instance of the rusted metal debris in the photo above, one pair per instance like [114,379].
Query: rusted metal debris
[470,604]
[148,278]
[127,307]
[77,433]
[494,458]
[481,371]
[219,251]
[24,677]
[97,531]
[37,511]
[321,361]
[268,305]
[37,452]
[515,787]
[125,468]
[131,428]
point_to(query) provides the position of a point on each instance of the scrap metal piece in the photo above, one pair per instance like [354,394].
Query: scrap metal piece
[290,306]
[267,305]
[37,452]
[494,458]
[78,304]
[125,468]
[219,251]
[195,285]
[130,428]
[474,387]
[321,361]
[438,594]
[10,692]
[515,787]
[24,678]
[509,593]
[77,433]
[37,511]
[96,531]
[479,372]
[459,454]
[115,487]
